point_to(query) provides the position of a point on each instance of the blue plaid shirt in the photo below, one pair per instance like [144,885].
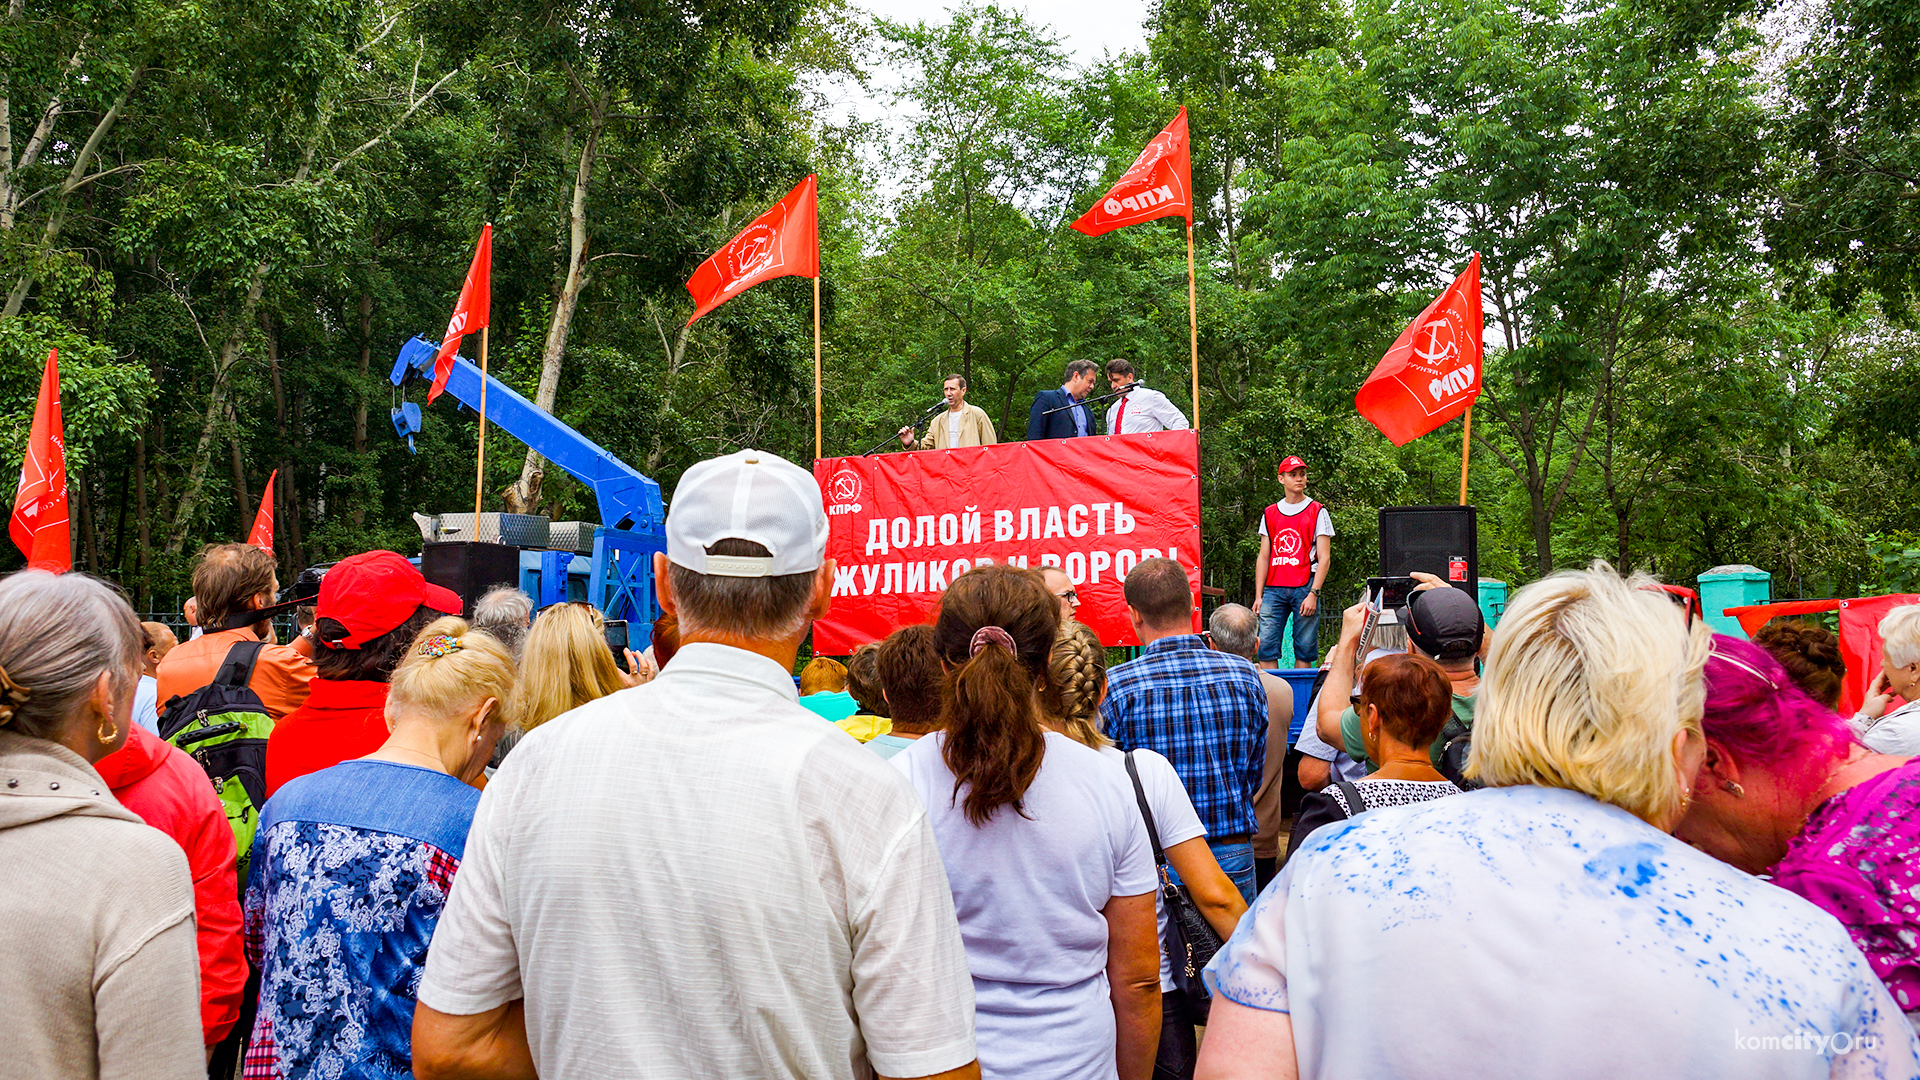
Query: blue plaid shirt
[1206,712]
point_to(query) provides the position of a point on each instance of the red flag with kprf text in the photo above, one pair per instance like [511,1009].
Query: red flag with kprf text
[470,314]
[783,242]
[262,534]
[1160,184]
[1432,372]
[39,525]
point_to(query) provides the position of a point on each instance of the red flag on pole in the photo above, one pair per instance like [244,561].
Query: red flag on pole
[39,525]
[1432,372]
[262,534]
[470,314]
[784,241]
[1160,184]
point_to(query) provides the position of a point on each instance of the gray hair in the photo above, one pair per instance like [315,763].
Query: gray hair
[1900,635]
[58,632]
[754,608]
[1236,630]
[505,612]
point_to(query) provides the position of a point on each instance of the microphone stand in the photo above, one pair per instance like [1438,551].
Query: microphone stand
[1092,401]
[895,437]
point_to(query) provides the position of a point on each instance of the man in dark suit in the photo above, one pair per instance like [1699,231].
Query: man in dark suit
[1067,423]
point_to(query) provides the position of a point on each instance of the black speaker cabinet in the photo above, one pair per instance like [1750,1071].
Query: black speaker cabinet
[470,568]
[1439,540]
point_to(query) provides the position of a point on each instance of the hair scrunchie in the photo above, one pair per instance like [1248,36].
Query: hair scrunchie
[990,633]
[440,645]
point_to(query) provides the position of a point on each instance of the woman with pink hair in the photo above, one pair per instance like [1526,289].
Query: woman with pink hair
[1786,790]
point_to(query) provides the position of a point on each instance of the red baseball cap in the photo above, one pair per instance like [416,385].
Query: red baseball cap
[1291,463]
[375,593]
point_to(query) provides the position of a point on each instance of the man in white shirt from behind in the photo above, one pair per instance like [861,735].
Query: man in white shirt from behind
[1140,409]
[697,877]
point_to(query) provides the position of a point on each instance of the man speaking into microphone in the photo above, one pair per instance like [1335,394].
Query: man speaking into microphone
[960,425]
[1139,409]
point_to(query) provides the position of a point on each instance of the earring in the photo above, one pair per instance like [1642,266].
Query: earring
[107,731]
[1733,788]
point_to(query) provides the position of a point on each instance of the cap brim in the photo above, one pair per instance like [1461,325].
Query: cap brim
[443,600]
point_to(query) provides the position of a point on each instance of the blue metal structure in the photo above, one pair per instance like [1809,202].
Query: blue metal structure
[632,515]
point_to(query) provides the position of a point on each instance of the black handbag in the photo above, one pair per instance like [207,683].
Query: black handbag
[1190,940]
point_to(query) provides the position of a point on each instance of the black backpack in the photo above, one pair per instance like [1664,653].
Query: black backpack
[224,726]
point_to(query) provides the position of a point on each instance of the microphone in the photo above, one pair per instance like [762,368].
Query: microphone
[937,406]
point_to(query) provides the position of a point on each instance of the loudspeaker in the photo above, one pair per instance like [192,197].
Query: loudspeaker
[470,568]
[1439,540]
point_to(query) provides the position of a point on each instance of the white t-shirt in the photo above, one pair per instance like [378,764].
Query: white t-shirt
[1897,732]
[146,704]
[1312,745]
[1173,813]
[696,877]
[1529,932]
[1029,888]
[953,426]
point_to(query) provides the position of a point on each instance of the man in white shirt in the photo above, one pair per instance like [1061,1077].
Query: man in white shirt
[697,877]
[1140,409]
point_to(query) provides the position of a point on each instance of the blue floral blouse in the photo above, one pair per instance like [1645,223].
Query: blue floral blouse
[351,869]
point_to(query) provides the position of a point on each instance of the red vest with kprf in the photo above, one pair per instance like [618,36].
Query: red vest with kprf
[1290,545]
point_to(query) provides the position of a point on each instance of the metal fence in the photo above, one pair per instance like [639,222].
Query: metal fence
[170,612]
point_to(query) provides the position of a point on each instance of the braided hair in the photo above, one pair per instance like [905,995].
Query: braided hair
[1077,675]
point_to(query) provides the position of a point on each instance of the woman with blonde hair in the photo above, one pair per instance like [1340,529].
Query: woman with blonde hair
[566,663]
[1548,925]
[1077,672]
[352,866]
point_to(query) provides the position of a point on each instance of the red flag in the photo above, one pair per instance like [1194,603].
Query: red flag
[1432,373]
[1160,184]
[469,314]
[39,526]
[262,534]
[784,241]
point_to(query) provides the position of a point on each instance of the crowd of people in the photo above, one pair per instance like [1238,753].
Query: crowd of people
[1598,840]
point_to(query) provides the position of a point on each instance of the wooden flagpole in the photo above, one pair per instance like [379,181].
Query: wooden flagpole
[480,468]
[1466,444]
[1193,327]
[816,365]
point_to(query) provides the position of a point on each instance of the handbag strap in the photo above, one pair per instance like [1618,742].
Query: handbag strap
[1356,802]
[1153,831]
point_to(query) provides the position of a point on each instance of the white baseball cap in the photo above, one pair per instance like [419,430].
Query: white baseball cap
[752,495]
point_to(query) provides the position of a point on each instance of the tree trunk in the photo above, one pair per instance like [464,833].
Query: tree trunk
[145,550]
[523,496]
[241,496]
[75,177]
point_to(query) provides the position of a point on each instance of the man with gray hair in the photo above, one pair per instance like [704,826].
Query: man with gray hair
[505,612]
[1235,628]
[696,876]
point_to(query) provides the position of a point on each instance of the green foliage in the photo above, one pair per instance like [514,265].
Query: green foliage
[1696,272]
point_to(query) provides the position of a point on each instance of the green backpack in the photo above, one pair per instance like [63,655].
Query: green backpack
[224,726]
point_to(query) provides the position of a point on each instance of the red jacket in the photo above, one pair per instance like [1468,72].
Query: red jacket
[170,792]
[341,720]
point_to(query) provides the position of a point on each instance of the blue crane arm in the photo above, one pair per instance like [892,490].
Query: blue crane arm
[628,500]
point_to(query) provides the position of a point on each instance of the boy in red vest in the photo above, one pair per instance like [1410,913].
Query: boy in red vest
[1296,547]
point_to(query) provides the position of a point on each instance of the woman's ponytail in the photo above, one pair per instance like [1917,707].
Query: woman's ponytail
[995,631]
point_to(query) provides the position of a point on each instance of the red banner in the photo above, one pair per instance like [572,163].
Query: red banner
[783,242]
[1860,645]
[902,526]
[39,524]
[1432,372]
[1158,184]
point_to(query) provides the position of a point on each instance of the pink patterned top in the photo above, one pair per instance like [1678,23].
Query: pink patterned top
[1858,859]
